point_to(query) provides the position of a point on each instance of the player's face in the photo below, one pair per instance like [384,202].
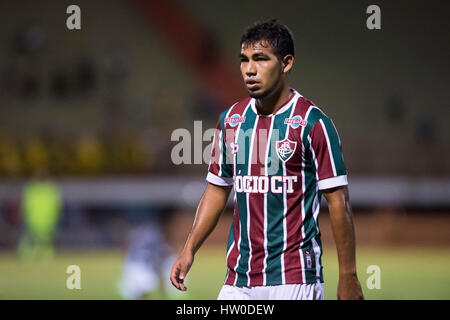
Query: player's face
[260,69]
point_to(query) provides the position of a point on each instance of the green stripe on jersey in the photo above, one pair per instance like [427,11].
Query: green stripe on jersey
[230,236]
[310,226]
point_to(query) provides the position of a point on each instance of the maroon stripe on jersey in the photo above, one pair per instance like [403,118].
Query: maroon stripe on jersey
[320,147]
[214,166]
[256,202]
[294,221]
[292,261]
[234,253]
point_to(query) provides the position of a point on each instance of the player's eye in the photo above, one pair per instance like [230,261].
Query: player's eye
[261,58]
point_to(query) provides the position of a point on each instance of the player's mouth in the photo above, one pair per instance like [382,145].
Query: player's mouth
[252,84]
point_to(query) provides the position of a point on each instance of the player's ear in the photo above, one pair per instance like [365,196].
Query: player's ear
[287,62]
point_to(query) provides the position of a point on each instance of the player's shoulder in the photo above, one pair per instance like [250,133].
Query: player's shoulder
[236,110]
[238,107]
[309,111]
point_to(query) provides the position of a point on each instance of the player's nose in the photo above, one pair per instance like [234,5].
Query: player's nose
[251,69]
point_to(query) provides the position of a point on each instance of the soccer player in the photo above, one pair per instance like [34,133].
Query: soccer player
[148,260]
[281,153]
[42,203]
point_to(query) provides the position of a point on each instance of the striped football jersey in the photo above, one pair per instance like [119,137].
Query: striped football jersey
[278,164]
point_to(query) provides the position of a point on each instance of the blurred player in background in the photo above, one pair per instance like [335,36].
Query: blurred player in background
[42,203]
[148,258]
[281,153]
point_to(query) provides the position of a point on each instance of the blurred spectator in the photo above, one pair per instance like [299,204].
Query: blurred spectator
[10,221]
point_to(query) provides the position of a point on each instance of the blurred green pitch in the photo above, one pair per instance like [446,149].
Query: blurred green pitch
[406,273]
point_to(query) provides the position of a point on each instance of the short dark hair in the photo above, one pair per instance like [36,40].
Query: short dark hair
[274,33]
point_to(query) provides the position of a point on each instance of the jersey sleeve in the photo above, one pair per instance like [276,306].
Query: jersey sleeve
[327,154]
[220,170]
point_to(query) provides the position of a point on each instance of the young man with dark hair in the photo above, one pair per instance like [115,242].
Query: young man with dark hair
[281,153]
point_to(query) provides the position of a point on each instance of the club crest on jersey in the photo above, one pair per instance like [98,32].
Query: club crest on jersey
[295,122]
[285,149]
[234,120]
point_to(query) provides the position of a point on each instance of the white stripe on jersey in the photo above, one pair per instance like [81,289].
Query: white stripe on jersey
[247,196]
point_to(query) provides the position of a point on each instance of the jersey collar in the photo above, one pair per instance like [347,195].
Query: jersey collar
[295,96]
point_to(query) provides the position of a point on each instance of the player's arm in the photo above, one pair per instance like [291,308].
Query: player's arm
[208,212]
[344,236]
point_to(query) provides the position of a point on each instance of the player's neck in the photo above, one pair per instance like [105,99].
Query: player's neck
[272,103]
